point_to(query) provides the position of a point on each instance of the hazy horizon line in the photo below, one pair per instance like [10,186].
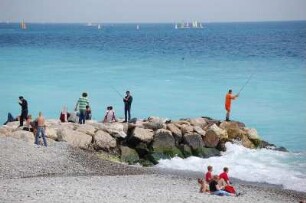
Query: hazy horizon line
[147,22]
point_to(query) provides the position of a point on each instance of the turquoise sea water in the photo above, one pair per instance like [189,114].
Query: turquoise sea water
[171,73]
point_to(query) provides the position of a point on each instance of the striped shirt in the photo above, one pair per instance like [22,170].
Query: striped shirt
[82,103]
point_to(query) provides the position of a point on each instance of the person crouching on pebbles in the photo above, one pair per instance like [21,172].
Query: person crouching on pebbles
[215,189]
[40,129]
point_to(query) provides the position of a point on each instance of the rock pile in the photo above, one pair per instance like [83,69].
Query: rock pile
[147,141]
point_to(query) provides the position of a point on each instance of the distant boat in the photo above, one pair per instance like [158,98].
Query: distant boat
[99,27]
[196,24]
[89,24]
[23,25]
[137,27]
[187,25]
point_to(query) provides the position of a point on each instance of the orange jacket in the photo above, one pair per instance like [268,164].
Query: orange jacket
[228,101]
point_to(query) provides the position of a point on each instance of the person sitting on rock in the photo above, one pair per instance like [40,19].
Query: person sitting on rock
[64,115]
[215,189]
[28,126]
[109,115]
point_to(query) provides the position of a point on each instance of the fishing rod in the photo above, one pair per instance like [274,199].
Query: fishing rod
[246,83]
[117,92]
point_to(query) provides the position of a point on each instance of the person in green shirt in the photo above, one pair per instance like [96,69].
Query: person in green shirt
[81,105]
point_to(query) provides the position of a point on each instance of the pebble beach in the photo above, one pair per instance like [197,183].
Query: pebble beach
[61,173]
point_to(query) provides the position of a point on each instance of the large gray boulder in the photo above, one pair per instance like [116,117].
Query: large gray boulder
[87,129]
[104,141]
[193,140]
[201,122]
[221,133]
[164,146]
[143,135]
[199,130]
[211,139]
[235,133]
[163,139]
[246,142]
[115,129]
[154,124]
[186,150]
[205,152]
[51,133]
[186,129]
[252,134]
[233,130]
[176,132]
[128,155]
[75,138]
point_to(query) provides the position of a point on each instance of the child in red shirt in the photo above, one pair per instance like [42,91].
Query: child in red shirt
[208,175]
[224,176]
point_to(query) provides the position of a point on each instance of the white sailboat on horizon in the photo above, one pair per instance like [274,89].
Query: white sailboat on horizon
[23,25]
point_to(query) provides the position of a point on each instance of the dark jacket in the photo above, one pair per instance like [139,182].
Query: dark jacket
[128,101]
[24,105]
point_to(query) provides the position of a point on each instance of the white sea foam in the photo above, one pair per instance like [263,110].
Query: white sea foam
[262,165]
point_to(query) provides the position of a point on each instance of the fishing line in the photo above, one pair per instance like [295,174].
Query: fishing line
[117,92]
[246,82]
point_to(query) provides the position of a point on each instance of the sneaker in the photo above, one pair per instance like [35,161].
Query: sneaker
[238,194]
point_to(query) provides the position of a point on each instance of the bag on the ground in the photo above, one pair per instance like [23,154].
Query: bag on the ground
[230,189]
[73,118]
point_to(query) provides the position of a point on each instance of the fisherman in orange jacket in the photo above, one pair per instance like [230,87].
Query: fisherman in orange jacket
[228,100]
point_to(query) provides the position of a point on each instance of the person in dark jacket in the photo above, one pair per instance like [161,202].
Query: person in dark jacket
[128,99]
[24,110]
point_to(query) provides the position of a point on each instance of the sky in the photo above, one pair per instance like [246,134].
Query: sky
[151,11]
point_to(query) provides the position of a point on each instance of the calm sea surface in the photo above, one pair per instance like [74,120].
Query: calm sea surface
[171,73]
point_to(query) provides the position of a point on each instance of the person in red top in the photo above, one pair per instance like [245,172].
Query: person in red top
[224,176]
[208,175]
[228,101]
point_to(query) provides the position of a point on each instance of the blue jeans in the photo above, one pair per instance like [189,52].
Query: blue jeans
[82,117]
[40,130]
[221,193]
[127,112]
